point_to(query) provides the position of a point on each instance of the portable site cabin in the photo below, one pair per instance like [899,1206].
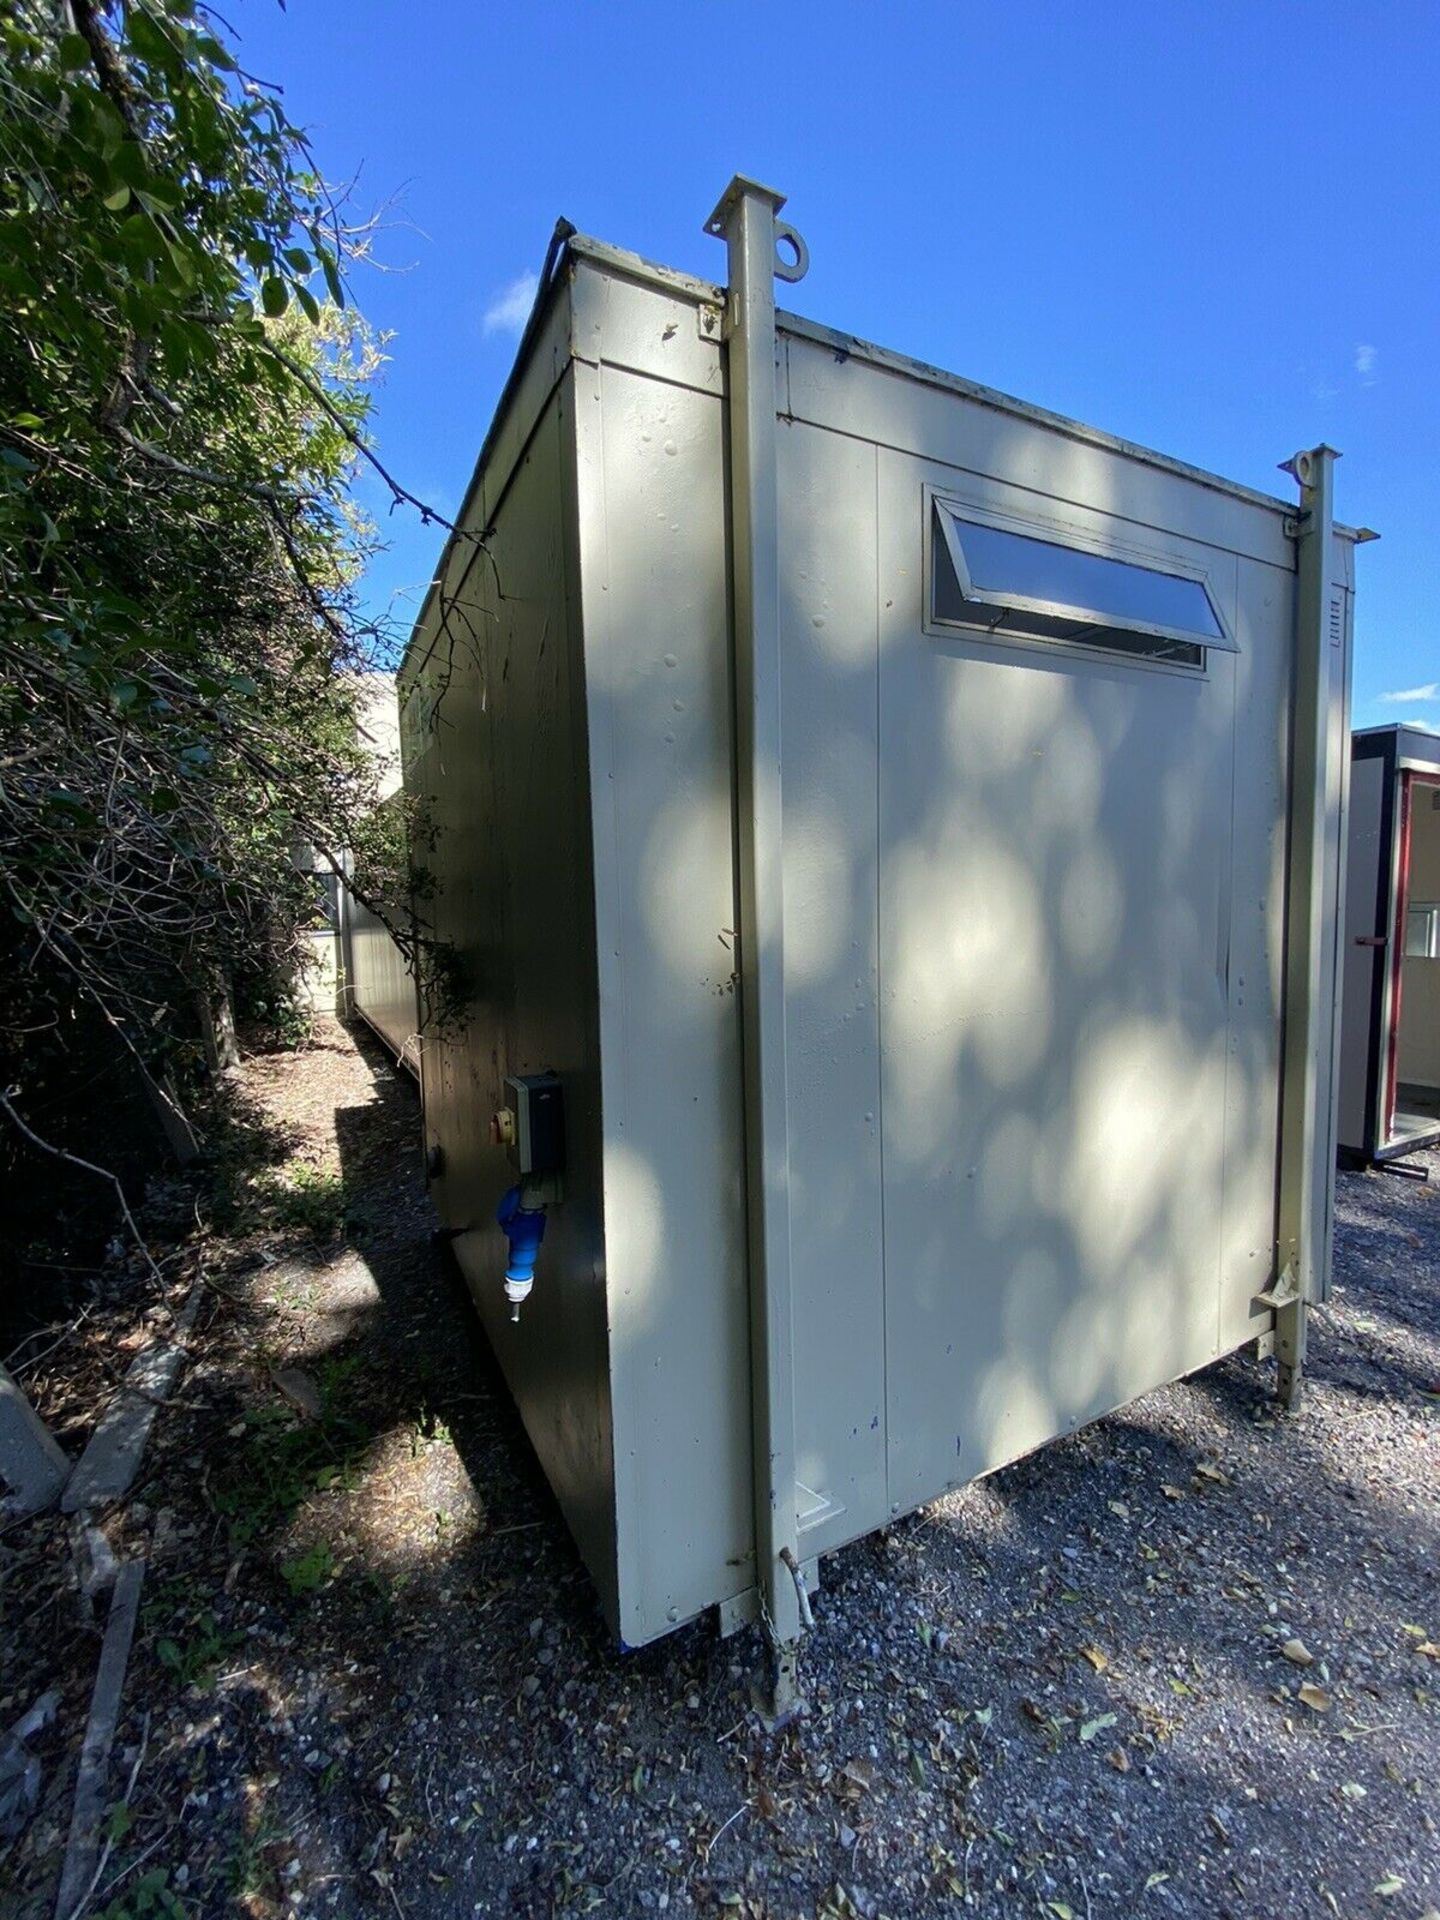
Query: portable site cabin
[904,827]
[1390,1013]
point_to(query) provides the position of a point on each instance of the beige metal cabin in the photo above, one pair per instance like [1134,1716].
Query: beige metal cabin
[906,823]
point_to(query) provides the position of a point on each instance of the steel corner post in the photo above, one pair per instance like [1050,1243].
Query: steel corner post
[746,220]
[1306,1157]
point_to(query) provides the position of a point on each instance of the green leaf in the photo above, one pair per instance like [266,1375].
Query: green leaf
[118,200]
[183,263]
[209,48]
[309,305]
[74,52]
[297,258]
[72,803]
[120,1822]
[332,275]
[140,236]
[129,166]
[108,125]
[274,297]
[147,39]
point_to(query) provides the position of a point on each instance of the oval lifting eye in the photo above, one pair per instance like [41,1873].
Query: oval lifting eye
[792,256]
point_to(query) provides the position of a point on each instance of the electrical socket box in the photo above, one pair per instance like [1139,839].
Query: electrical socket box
[538,1103]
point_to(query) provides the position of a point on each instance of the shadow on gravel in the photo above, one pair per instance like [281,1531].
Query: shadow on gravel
[1062,1690]
[423,1333]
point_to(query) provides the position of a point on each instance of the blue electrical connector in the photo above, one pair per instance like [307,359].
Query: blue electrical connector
[524,1228]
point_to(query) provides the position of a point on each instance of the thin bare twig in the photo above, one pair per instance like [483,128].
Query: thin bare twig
[68,1333]
[720,1832]
[89,1166]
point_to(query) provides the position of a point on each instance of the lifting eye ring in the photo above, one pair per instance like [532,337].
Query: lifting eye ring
[792,256]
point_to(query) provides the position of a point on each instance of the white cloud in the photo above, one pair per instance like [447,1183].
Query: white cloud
[1365,359]
[1430,691]
[510,309]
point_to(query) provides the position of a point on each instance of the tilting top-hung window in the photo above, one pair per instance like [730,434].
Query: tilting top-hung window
[1005,581]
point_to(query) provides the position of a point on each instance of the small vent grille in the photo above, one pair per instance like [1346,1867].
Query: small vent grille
[1337,620]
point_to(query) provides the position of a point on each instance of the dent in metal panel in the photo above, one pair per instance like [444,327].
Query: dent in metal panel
[1054,899]
[652,526]
[496,754]
[829,662]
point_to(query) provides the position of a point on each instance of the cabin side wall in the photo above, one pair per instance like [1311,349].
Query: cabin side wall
[379,984]
[494,732]
[651,464]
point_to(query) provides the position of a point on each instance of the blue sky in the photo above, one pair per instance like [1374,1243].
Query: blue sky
[1214,229]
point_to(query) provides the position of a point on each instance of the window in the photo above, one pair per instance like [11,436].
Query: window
[1005,581]
[1422,932]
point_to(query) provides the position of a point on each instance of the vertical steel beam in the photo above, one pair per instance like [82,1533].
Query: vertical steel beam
[745,220]
[1306,1161]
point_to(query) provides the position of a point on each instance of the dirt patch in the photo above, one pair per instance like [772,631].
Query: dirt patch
[371,1676]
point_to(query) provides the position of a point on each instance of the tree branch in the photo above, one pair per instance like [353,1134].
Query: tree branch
[256,489]
[430,515]
[101,1173]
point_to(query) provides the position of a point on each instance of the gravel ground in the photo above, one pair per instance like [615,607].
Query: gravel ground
[1184,1663]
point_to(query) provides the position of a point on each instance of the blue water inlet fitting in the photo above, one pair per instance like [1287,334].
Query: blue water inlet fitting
[524,1228]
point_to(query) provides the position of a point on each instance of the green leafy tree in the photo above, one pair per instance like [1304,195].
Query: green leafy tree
[182,404]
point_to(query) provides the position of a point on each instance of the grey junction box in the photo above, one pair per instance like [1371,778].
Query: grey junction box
[908,825]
